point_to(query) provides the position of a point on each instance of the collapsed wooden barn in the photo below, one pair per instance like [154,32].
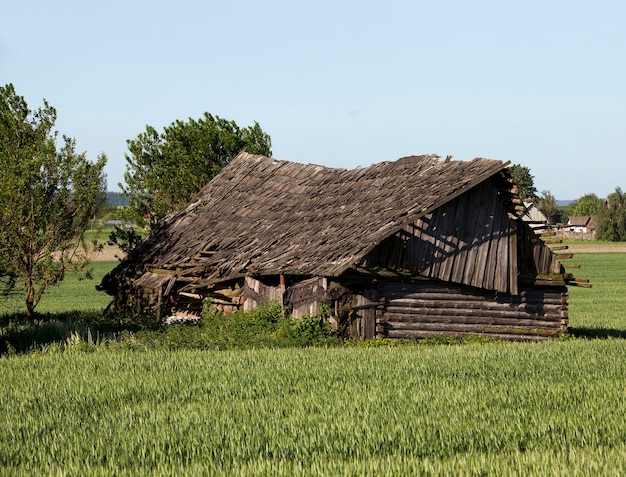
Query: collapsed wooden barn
[417,247]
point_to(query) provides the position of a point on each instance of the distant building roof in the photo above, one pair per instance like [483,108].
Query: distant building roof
[587,221]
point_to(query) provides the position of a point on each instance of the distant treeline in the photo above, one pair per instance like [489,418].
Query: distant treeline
[116,199]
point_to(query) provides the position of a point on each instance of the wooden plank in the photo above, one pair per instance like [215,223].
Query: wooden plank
[422,334]
[479,316]
[500,271]
[190,295]
[456,308]
[434,295]
[492,236]
[474,328]
[428,245]
[581,285]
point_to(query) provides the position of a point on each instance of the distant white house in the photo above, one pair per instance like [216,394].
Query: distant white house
[581,224]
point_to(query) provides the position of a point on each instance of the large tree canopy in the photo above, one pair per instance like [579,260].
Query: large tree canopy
[525,181]
[588,204]
[48,195]
[546,202]
[164,171]
[612,219]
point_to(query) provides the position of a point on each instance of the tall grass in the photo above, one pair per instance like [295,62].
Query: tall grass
[480,409]
[149,404]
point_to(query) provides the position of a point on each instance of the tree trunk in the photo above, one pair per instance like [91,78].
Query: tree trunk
[30,300]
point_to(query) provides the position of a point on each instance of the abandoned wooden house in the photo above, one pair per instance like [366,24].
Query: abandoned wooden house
[417,247]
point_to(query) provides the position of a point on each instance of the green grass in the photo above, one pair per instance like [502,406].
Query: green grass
[480,409]
[74,293]
[150,404]
[601,310]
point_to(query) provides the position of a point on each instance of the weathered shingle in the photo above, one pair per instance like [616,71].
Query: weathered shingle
[264,216]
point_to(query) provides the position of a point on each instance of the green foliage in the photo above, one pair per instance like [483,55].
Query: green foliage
[612,219]
[126,238]
[48,196]
[587,205]
[265,326]
[312,330]
[547,204]
[166,170]
[565,211]
[525,181]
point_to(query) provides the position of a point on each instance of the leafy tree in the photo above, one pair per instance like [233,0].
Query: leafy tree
[588,204]
[612,219]
[48,195]
[126,237]
[164,171]
[525,181]
[547,204]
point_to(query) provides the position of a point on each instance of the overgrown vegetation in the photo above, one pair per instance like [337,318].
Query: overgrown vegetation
[263,327]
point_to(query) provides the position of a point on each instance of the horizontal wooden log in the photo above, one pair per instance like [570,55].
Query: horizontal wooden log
[474,328]
[581,285]
[436,295]
[419,334]
[190,295]
[390,290]
[473,318]
[561,247]
[538,279]
[421,300]
[405,306]
[534,304]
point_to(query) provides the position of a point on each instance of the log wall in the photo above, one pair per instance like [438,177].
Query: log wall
[421,310]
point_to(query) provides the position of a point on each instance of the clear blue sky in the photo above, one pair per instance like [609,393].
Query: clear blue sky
[537,83]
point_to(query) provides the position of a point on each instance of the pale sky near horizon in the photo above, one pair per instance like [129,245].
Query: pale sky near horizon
[342,84]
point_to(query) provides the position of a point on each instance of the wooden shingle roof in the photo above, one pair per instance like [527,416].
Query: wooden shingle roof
[262,216]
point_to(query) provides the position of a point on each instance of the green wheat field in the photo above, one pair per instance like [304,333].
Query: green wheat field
[473,408]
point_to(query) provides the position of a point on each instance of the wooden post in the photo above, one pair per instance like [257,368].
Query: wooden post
[282,287]
[159,302]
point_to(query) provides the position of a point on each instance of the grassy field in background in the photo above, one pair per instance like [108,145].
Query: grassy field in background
[600,310]
[478,408]
[75,293]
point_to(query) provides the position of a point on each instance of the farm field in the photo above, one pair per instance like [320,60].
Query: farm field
[75,293]
[497,409]
[478,408]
